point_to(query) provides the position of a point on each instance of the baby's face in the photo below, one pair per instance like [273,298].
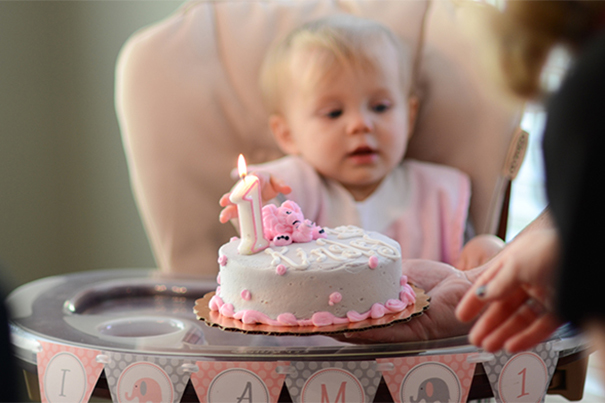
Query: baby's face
[352,128]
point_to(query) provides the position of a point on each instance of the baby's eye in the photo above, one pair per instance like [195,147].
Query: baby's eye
[334,114]
[381,107]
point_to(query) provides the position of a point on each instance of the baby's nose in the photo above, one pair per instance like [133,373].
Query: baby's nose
[360,122]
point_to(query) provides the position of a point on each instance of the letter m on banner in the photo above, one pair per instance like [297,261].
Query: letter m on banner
[340,395]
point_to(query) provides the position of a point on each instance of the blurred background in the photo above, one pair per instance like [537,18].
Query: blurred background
[65,198]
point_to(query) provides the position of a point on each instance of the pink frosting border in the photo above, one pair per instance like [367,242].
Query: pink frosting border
[407,296]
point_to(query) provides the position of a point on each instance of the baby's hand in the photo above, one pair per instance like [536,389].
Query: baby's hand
[478,251]
[270,188]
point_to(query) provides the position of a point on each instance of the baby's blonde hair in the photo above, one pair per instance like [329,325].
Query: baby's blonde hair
[335,41]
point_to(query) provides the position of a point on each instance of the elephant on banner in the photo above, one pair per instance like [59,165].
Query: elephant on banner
[147,390]
[432,390]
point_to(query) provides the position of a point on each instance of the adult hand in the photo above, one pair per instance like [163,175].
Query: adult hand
[270,188]
[446,286]
[514,296]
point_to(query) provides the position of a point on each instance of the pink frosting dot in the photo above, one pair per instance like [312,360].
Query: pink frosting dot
[335,298]
[373,262]
[281,269]
[234,238]
[222,260]
[246,295]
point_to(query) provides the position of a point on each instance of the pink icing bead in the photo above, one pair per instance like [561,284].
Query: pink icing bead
[395,305]
[322,318]
[377,311]
[218,278]
[233,238]
[373,262]
[215,303]
[227,310]
[287,319]
[281,269]
[250,317]
[356,316]
[222,260]
[407,295]
[404,280]
[335,298]
[246,295]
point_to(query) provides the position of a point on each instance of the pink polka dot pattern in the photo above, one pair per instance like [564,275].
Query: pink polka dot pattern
[86,357]
[402,365]
[209,370]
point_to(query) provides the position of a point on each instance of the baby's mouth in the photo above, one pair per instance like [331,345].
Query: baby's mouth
[364,154]
[363,151]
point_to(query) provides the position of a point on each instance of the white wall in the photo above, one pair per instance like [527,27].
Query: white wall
[65,198]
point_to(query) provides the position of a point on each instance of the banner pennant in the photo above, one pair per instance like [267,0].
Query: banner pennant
[522,377]
[333,382]
[147,378]
[66,373]
[241,382]
[444,378]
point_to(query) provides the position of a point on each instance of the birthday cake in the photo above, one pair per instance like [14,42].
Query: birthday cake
[337,276]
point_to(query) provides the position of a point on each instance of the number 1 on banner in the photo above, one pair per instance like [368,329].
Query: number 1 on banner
[523,379]
[523,372]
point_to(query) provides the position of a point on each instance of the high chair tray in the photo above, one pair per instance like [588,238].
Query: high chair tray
[149,313]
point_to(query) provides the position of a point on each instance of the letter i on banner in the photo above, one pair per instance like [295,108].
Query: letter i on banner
[443,378]
[522,377]
[238,382]
[67,374]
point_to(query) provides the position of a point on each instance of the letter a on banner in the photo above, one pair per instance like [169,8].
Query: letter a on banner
[238,382]
[443,378]
[67,374]
[522,377]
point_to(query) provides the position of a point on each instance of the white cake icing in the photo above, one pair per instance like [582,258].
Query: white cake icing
[350,275]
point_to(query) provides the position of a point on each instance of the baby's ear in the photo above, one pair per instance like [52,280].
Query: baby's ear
[283,136]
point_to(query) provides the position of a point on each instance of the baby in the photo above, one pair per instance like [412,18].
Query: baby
[339,93]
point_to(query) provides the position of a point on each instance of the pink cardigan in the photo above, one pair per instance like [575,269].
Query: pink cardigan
[423,206]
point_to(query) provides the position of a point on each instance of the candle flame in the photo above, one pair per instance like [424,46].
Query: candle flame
[241,166]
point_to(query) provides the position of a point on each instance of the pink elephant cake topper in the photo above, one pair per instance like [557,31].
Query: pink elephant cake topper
[286,224]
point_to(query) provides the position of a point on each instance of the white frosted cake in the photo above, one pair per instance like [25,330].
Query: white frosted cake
[348,276]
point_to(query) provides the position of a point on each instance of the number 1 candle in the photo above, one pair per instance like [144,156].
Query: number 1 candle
[247,197]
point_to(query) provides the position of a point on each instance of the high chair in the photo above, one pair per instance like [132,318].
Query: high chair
[188,103]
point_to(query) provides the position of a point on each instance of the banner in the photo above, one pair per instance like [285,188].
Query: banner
[522,377]
[146,378]
[67,374]
[238,382]
[333,382]
[443,378]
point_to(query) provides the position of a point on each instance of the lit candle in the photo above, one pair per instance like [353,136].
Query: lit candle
[247,197]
